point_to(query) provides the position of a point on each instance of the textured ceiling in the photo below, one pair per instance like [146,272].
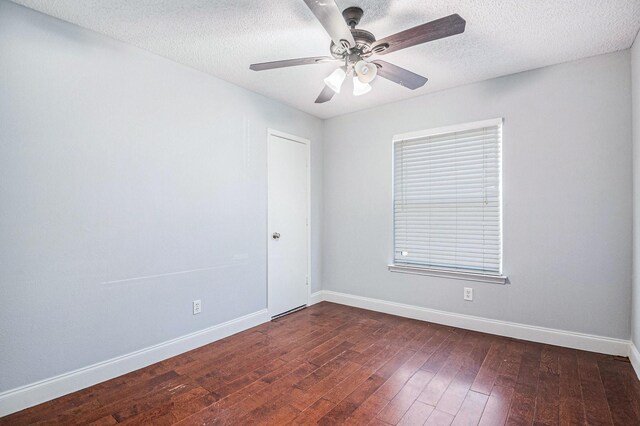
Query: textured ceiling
[222,37]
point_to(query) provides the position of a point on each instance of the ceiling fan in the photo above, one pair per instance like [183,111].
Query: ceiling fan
[354,47]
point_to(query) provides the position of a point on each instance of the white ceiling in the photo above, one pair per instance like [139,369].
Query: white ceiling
[222,37]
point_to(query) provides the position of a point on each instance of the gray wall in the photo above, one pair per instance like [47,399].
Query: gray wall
[567,197]
[130,186]
[635,83]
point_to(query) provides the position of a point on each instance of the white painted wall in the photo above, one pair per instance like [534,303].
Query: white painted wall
[635,300]
[130,186]
[567,197]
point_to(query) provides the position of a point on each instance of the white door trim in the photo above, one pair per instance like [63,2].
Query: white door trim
[307,143]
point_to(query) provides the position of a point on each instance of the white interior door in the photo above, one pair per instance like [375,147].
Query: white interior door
[288,211]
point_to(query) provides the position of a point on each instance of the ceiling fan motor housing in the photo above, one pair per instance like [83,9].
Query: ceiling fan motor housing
[364,39]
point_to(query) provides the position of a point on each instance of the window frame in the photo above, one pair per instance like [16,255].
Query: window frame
[495,278]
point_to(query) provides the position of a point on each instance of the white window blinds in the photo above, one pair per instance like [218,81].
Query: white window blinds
[447,207]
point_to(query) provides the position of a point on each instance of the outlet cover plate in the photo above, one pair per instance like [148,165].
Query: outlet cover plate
[468,293]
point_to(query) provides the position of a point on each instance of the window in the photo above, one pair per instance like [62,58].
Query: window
[447,202]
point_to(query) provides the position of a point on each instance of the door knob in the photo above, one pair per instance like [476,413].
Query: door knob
[275,235]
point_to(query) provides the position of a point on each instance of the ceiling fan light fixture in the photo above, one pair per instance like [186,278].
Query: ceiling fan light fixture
[360,88]
[335,79]
[366,71]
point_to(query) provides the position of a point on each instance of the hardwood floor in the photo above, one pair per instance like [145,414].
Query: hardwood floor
[331,364]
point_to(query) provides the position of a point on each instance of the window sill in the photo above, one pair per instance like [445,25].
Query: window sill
[442,273]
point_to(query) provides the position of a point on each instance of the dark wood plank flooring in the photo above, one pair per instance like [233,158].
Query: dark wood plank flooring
[331,364]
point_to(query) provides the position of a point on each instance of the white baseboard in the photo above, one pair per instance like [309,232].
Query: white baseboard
[634,357]
[550,336]
[27,396]
[315,298]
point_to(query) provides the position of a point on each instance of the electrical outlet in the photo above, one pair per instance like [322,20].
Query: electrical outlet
[197,307]
[468,293]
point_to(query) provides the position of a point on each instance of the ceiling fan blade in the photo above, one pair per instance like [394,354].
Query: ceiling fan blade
[331,18]
[399,75]
[326,95]
[434,30]
[291,63]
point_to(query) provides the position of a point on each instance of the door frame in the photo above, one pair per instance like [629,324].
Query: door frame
[307,143]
